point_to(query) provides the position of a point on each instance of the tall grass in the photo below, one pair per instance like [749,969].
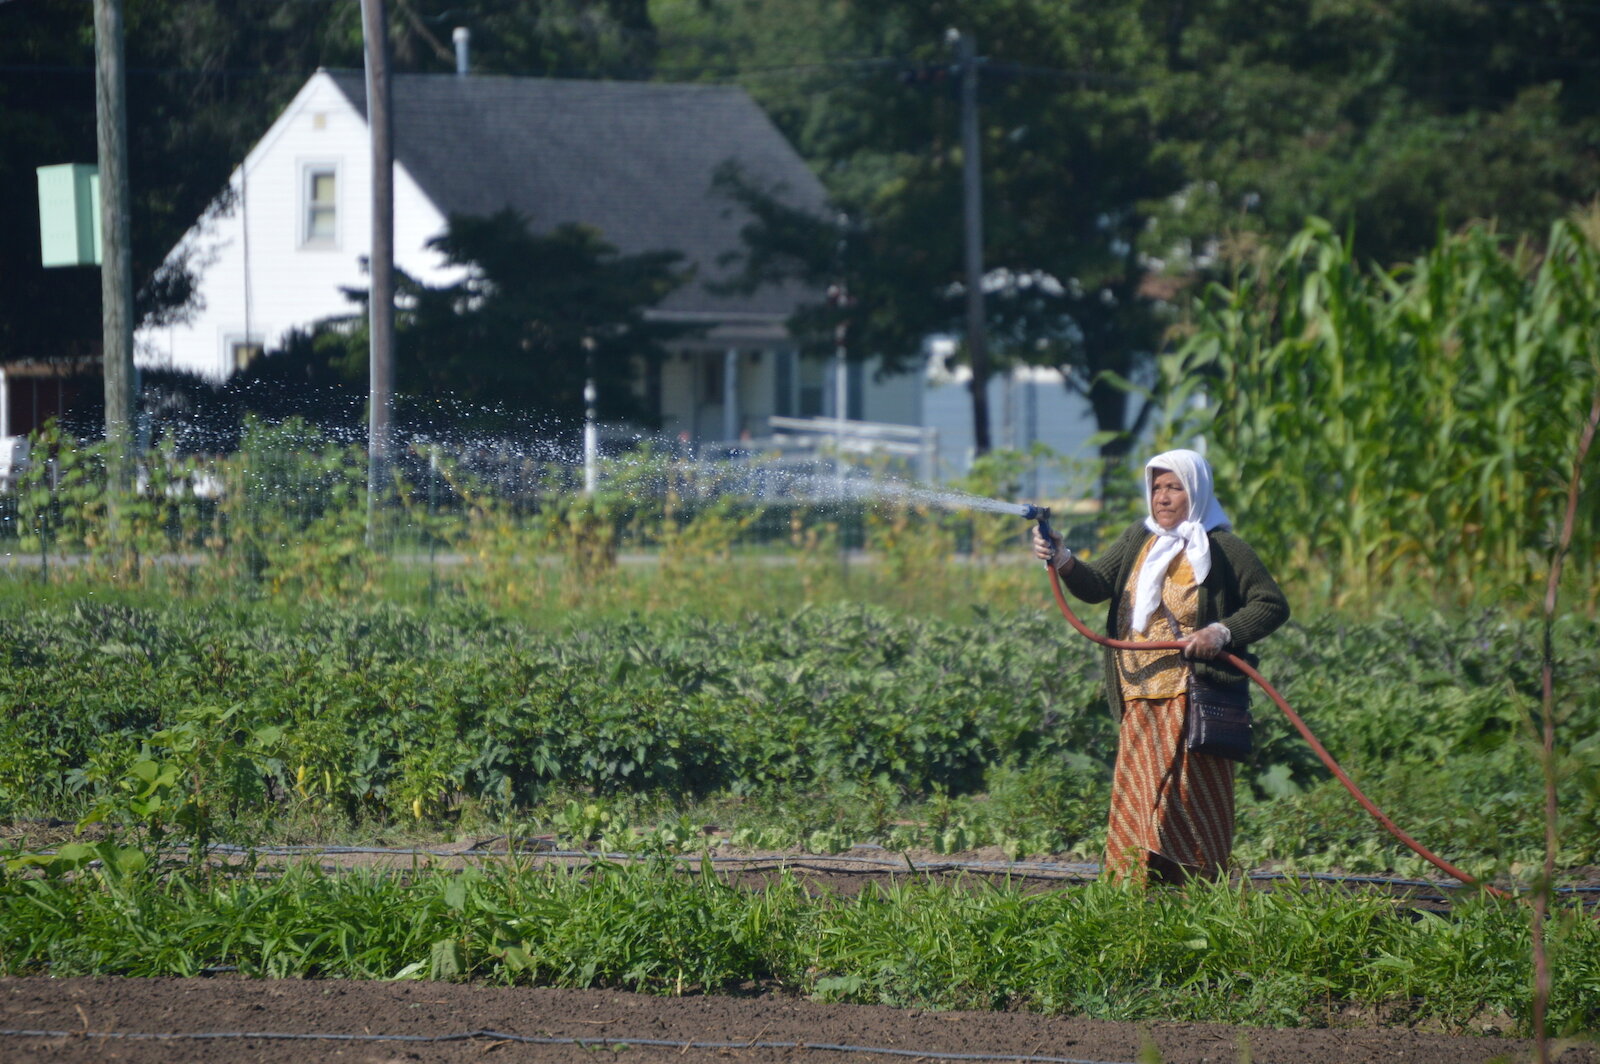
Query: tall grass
[1405,428]
[1212,953]
[285,517]
[1379,436]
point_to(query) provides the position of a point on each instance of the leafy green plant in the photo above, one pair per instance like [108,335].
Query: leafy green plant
[1210,953]
[858,723]
[1410,426]
[186,782]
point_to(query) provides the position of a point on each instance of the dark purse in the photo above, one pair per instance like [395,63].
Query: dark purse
[1219,719]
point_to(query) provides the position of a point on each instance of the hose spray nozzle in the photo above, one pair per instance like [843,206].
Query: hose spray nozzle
[1041,515]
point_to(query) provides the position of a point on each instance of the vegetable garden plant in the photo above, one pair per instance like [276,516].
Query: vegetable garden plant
[623,670]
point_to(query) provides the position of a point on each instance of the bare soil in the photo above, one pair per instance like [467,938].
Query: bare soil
[250,1020]
[227,1018]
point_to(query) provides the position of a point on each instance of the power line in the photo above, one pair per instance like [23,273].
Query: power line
[65,68]
[726,71]
[718,73]
[1545,5]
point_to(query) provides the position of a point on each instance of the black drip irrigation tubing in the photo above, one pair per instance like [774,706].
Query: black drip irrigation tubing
[1083,872]
[817,862]
[585,1043]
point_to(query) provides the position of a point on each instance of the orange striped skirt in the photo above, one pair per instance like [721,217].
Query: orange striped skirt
[1168,807]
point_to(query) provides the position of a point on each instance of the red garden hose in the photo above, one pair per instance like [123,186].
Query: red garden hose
[1300,726]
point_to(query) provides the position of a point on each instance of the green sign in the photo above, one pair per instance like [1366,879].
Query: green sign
[69,215]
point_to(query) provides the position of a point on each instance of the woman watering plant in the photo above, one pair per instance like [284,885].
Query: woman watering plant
[1178,575]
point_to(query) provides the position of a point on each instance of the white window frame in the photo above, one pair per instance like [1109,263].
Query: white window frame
[309,172]
[231,342]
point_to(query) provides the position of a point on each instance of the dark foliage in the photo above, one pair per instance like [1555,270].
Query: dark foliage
[510,344]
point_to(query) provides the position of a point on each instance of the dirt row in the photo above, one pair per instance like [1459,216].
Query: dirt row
[251,1020]
[290,1021]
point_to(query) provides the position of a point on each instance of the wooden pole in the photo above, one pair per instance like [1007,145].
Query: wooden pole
[116,257]
[374,28]
[1542,976]
[972,217]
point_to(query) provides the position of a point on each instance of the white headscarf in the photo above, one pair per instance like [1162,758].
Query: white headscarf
[1189,535]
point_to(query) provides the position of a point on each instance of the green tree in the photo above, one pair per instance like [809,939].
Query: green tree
[1068,163]
[533,316]
[510,343]
[1392,121]
[558,38]
[1131,151]
[206,78]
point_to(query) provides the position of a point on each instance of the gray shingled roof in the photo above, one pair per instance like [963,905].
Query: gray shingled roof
[632,159]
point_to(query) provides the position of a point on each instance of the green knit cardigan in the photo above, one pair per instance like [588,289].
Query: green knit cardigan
[1238,591]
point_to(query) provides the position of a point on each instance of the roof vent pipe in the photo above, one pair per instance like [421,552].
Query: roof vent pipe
[461,36]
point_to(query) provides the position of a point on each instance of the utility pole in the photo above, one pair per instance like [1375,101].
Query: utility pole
[116,254]
[380,121]
[972,217]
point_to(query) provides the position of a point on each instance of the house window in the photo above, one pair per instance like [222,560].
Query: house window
[242,352]
[321,207]
[245,353]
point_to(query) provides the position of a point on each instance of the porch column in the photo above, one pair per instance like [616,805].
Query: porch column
[5,404]
[841,386]
[730,394]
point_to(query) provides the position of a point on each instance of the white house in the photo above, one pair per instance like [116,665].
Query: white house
[634,160]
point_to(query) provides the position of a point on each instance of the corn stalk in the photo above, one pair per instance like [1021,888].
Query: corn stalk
[1376,429]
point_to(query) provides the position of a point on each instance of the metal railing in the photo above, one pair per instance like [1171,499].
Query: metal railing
[809,438]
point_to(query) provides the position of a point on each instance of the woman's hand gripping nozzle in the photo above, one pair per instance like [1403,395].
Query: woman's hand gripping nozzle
[1047,546]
